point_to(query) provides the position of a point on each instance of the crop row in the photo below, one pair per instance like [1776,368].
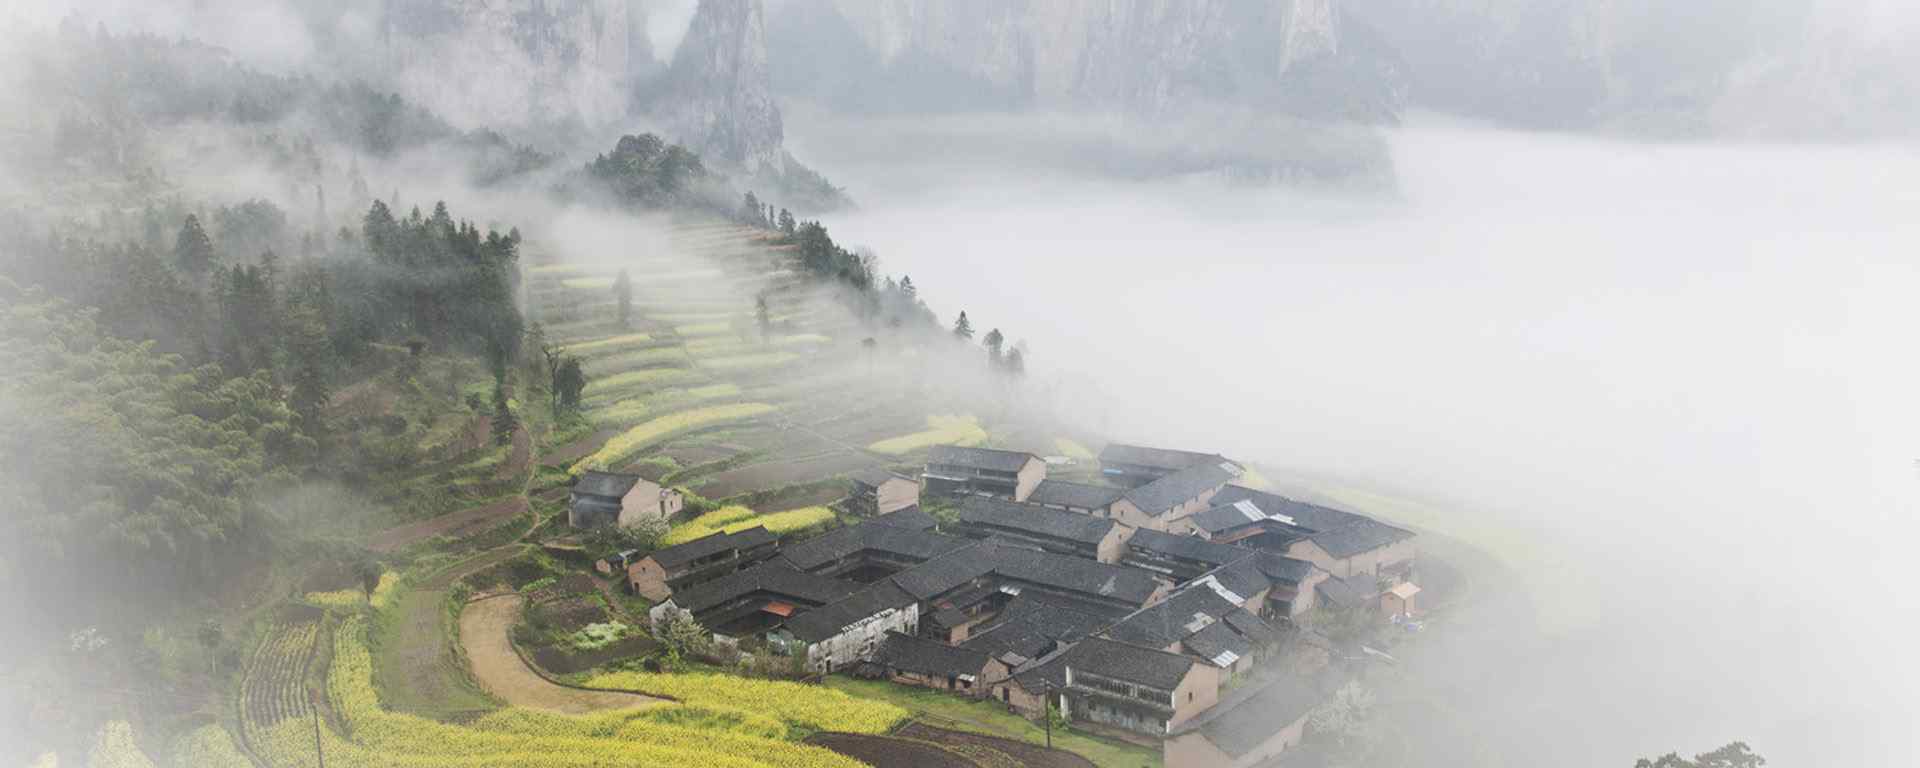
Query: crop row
[807,707]
[633,737]
[625,444]
[729,520]
[273,687]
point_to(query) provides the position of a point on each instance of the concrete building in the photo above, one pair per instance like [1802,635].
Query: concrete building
[1133,688]
[875,491]
[846,632]
[600,499]
[956,470]
[1052,530]
[658,574]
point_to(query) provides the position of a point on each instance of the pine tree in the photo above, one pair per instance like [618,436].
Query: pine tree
[312,359]
[750,211]
[193,250]
[787,223]
[963,328]
[1016,363]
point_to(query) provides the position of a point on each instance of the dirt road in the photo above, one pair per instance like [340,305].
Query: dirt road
[484,625]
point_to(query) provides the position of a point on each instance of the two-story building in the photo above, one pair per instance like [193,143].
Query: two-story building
[656,575]
[1095,500]
[1164,502]
[956,470]
[911,660]
[600,499]
[874,491]
[1134,465]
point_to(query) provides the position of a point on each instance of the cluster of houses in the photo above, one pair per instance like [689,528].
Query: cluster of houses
[1169,602]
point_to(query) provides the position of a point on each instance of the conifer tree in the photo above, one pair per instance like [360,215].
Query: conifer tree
[963,328]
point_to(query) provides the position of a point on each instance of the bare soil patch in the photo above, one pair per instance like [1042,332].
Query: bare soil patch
[885,752]
[1022,752]
[465,522]
[779,474]
[484,628]
[579,449]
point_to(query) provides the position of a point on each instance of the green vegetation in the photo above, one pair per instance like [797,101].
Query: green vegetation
[748,362]
[991,718]
[622,446]
[1072,450]
[813,708]
[942,430]
[588,283]
[604,345]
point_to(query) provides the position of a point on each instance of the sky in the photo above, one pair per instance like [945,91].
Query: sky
[1669,385]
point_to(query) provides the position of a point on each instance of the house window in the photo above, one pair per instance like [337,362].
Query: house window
[1189,695]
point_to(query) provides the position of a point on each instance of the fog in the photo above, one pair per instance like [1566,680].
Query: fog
[1669,386]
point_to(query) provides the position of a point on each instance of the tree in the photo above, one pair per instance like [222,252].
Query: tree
[963,328]
[751,212]
[569,380]
[906,288]
[1016,364]
[787,222]
[869,344]
[369,573]
[504,421]
[993,341]
[763,316]
[1735,755]
[312,361]
[623,293]
[683,636]
[193,249]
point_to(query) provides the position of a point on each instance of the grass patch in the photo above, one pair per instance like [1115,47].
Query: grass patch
[703,329]
[991,718]
[941,430]
[656,357]
[587,283]
[598,346]
[622,382]
[626,444]
[749,362]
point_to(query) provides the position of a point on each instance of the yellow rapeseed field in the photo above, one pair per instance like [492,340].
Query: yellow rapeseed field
[941,430]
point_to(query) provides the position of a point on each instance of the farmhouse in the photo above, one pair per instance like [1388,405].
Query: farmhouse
[1033,626]
[657,575]
[917,661]
[848,631]
[1135,465]
[1244,523]
[970,586]
[956,470]
[747,603]
[600,499]
[869,551]
[1162,502]
[1126,686]
[1342,543]
[1205,621]
[1241,731]
[876,491]
[1180,558]
[1096,500]
[1052,530]
[911,518]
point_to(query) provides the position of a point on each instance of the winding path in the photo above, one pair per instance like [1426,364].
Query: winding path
[485,625]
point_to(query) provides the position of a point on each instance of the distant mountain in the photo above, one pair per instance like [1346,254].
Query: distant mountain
[1305,58]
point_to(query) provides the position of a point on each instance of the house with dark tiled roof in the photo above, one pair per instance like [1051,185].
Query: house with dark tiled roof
[1207,621]
[970,586]
[869,551]
[845,632]
[927,663]
[1180,558]
[753,601]
[1343,543]
[601,499]
[1095,500]
[1250,727]
[1053,530]
[1034,625]
[664,570]
[956,470]
[1134,465]
[875,491]
[911,518]
[1162,502]
[1243,523]
[1139,689]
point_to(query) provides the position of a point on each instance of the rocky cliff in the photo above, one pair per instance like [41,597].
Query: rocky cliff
[717,95]
[1143,57]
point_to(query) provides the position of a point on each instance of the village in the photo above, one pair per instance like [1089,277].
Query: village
[1152,599]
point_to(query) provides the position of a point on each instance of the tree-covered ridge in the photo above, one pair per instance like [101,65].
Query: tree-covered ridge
[136,470]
